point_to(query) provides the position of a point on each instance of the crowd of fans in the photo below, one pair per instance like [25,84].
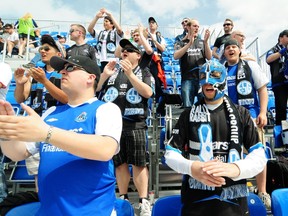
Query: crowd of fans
[131,71]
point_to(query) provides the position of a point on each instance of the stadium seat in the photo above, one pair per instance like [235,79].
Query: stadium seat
[44,32]
[255,205]
[92,42]
[169,79]
[123,208]
[29,209]
[166,60]
[168,206]
[277,130]
[167,68]
[279,202]
[176,68]
[19,175]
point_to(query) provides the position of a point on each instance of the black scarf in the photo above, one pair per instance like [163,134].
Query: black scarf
[232,189]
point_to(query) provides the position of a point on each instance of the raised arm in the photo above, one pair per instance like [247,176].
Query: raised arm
[32,128]
[92,24]
[23,85]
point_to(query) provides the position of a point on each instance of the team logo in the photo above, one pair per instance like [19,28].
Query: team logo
[52,120]
[111,94]
[133,97]
[82,117]
[111,47]
[244,87]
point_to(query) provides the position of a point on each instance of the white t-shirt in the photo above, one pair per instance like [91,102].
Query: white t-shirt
[5,79]
[12,37]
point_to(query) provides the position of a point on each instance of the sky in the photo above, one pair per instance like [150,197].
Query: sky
[258,19]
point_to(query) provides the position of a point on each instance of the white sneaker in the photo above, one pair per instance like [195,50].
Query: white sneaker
[145,208]
[266,199]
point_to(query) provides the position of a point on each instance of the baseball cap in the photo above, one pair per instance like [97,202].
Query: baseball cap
[47,39]
[7,25]
[84,62]
[231,42]
[61,36]
[151,19]
[127,43]
[285,32]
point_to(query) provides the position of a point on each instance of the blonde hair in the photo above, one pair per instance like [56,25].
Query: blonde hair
[144,32]
[27,16]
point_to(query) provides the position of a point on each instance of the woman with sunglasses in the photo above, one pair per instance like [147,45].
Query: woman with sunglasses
[41,84]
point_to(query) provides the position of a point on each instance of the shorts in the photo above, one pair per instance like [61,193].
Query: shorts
[22,35]
[132,148]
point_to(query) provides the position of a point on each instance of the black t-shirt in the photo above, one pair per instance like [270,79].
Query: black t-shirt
[221,40]
[83,50]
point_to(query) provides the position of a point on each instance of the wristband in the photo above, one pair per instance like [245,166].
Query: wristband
[282,51]
[49,134]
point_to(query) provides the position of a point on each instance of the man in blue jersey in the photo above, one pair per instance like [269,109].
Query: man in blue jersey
[76,142]
[246,85]
[207,147]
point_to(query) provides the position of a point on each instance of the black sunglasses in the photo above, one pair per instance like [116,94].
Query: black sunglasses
[227,24]
[70,68]
[45,48]
[184,21]
[73,30]
[130,50]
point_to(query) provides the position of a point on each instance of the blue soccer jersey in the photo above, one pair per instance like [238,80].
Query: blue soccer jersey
[71,185]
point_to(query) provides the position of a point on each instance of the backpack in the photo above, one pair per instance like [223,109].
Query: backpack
[277,174]
[14,200]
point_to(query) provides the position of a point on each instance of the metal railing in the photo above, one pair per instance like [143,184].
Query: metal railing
[4,50]
[28,38]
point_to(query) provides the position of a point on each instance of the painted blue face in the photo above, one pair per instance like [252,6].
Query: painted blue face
[214,73]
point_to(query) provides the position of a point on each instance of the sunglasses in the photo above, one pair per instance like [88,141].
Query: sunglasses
[227,24]
[45,48]
[213,74]
[240,35]
[184,22]
[70,68]
[73,30]
[130,50]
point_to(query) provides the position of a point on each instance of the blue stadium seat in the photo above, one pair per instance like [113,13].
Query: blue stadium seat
[165,53]
[168,206]
[19,175]
[277,130]
[122,207]
[255,205]
[162,138]
[279,202]
[167,68]
[176,68]
[165,59]
[92,42]
[29,209]
[64,33]
[44,32]
[169,80]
